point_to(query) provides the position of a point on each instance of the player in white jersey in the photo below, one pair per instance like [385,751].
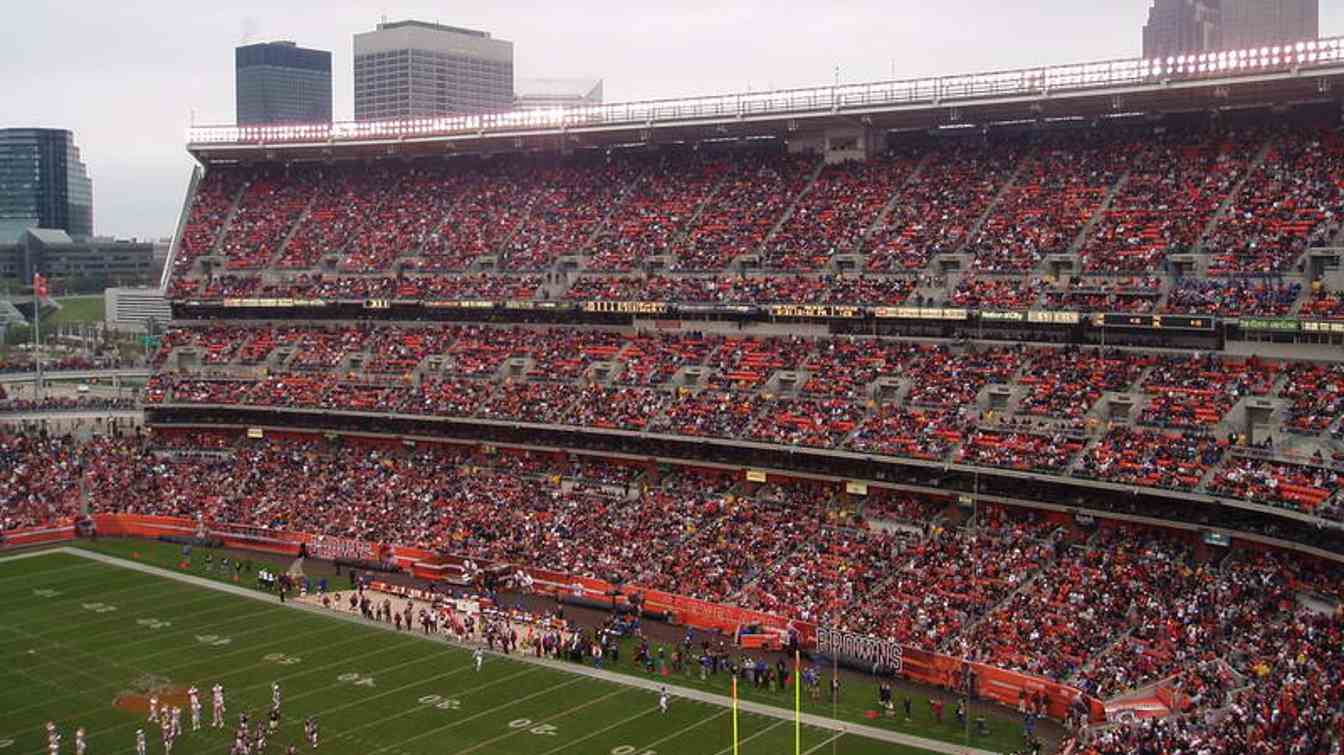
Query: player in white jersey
[81,744]
[217,704]
[154,708]
[479,655]
[194,701]
[177,722]
[140,747]
[275,694]
[310,731]
[53,739]
[662,700]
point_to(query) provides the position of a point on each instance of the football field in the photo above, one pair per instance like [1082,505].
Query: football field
[83,642]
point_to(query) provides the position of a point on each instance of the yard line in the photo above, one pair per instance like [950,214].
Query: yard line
[561,714]
[700,723]
[343,734]
[741,742]
[265,685]
[128,625]
[116,686]
[35,554]
[823,744]
[66,593]
[461,721]
[697,724]
[116,664]
[603,730]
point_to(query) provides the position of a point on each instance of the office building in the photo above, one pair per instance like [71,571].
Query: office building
[1178,27]
[89,262]
[539,94]
[134,308]
[414,69]
[280,82]
[43,183]
[1257,23]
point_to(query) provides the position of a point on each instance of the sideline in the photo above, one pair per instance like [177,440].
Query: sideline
[809,719]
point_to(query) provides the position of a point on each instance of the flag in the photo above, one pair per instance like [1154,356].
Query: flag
[40,286]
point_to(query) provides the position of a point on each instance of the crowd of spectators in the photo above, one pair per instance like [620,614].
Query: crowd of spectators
[1195,392]
[406,230]
[1092,293]
[996,293]
[935,211]
[1153,459]
[1123,608]
[65,404]
[881,396]
[1175,185]
[1067,383]
[836,213]
[1304,487]
[1324,304]
[1232,297]
[659,206]
[746,204]
[1058,187]
[1289,201]
[1316,393]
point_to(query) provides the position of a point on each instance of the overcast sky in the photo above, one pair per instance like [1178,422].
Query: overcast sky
[128,76]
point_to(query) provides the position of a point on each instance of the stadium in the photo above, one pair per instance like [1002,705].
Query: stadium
[984,413]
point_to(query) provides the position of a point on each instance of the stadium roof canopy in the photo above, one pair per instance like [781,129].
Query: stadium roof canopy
[1267,76]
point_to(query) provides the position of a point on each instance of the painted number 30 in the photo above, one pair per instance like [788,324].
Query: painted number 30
[359,680]
[545,730]
[282,659]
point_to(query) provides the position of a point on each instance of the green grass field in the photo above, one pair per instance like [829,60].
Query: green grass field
[76,634]
[77,309]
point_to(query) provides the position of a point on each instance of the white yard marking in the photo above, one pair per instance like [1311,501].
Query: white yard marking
[647,749]
[356,678]
[259,685]
[823,744]
[99,607]
[45,592]
[459,722]
[155,624]
[282,659]
[741,742]
[602,731]
[543,721]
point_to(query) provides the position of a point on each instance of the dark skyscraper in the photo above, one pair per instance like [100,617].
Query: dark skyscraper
[1256,23]
[43,183]
[1179,27]
[280,82]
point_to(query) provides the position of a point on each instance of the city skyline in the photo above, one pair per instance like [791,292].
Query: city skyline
[131,96]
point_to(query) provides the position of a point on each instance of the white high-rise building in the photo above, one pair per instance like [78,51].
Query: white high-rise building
[414,69]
